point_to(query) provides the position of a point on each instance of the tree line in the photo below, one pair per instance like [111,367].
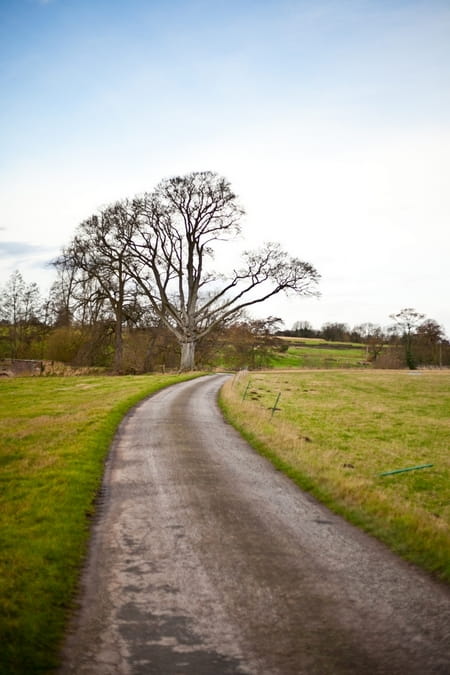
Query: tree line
[144,266]
[36,327]
[413,339]
[80,329]
[136,289]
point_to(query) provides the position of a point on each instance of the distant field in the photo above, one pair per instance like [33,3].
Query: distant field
[336,431]
[317,353]
[54,435]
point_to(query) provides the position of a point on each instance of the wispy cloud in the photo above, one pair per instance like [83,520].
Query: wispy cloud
[14,249]
[34,261]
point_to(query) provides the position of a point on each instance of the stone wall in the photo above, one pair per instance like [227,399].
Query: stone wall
[12,367]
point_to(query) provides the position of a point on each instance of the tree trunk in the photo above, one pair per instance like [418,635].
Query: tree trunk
[118,346]
[187,356]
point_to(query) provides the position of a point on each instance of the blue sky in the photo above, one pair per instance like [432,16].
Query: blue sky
[330,119]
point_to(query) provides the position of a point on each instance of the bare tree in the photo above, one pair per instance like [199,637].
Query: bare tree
[408,319]
[21,312]
[431,332]
[95,261]
[335,331]
[169,242]
[373,337]
[431,339]
[61,301]
[302,329]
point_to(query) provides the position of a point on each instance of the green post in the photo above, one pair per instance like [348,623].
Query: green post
[409,468]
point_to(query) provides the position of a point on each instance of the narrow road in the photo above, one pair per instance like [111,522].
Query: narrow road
[206,561]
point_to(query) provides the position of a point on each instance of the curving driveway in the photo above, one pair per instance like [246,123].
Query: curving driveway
[205,560]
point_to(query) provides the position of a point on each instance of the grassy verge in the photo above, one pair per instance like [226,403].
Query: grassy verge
[336,431]
[54,436]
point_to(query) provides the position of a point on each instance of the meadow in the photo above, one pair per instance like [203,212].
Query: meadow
[54,436]
[334,432]
[317,353]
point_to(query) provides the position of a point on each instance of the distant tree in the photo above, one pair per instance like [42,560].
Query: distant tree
[372,336]
[431,332]
[169,240]
[335,332]
[21,314]
[246,343]
[302,329]
[430,339]
[61,300]
[408,320]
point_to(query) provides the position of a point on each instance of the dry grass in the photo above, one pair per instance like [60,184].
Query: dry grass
[336,432]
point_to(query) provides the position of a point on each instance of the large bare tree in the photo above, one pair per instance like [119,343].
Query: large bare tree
[171,244]
[102,280]
[164,243]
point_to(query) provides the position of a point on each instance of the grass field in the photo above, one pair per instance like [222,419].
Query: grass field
[316,353]
[336,431]
[54,435]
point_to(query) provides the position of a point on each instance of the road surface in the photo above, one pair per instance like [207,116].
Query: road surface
[205,560]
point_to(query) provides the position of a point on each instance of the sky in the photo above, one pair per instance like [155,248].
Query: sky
[330,119]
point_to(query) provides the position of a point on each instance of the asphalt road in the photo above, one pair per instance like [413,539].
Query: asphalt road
[205,560]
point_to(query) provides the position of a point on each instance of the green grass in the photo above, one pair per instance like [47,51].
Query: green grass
[314,357]
[54,436]
[336,431]
[317,353]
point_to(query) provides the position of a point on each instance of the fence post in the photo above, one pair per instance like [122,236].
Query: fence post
[276,403]
[246,390]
